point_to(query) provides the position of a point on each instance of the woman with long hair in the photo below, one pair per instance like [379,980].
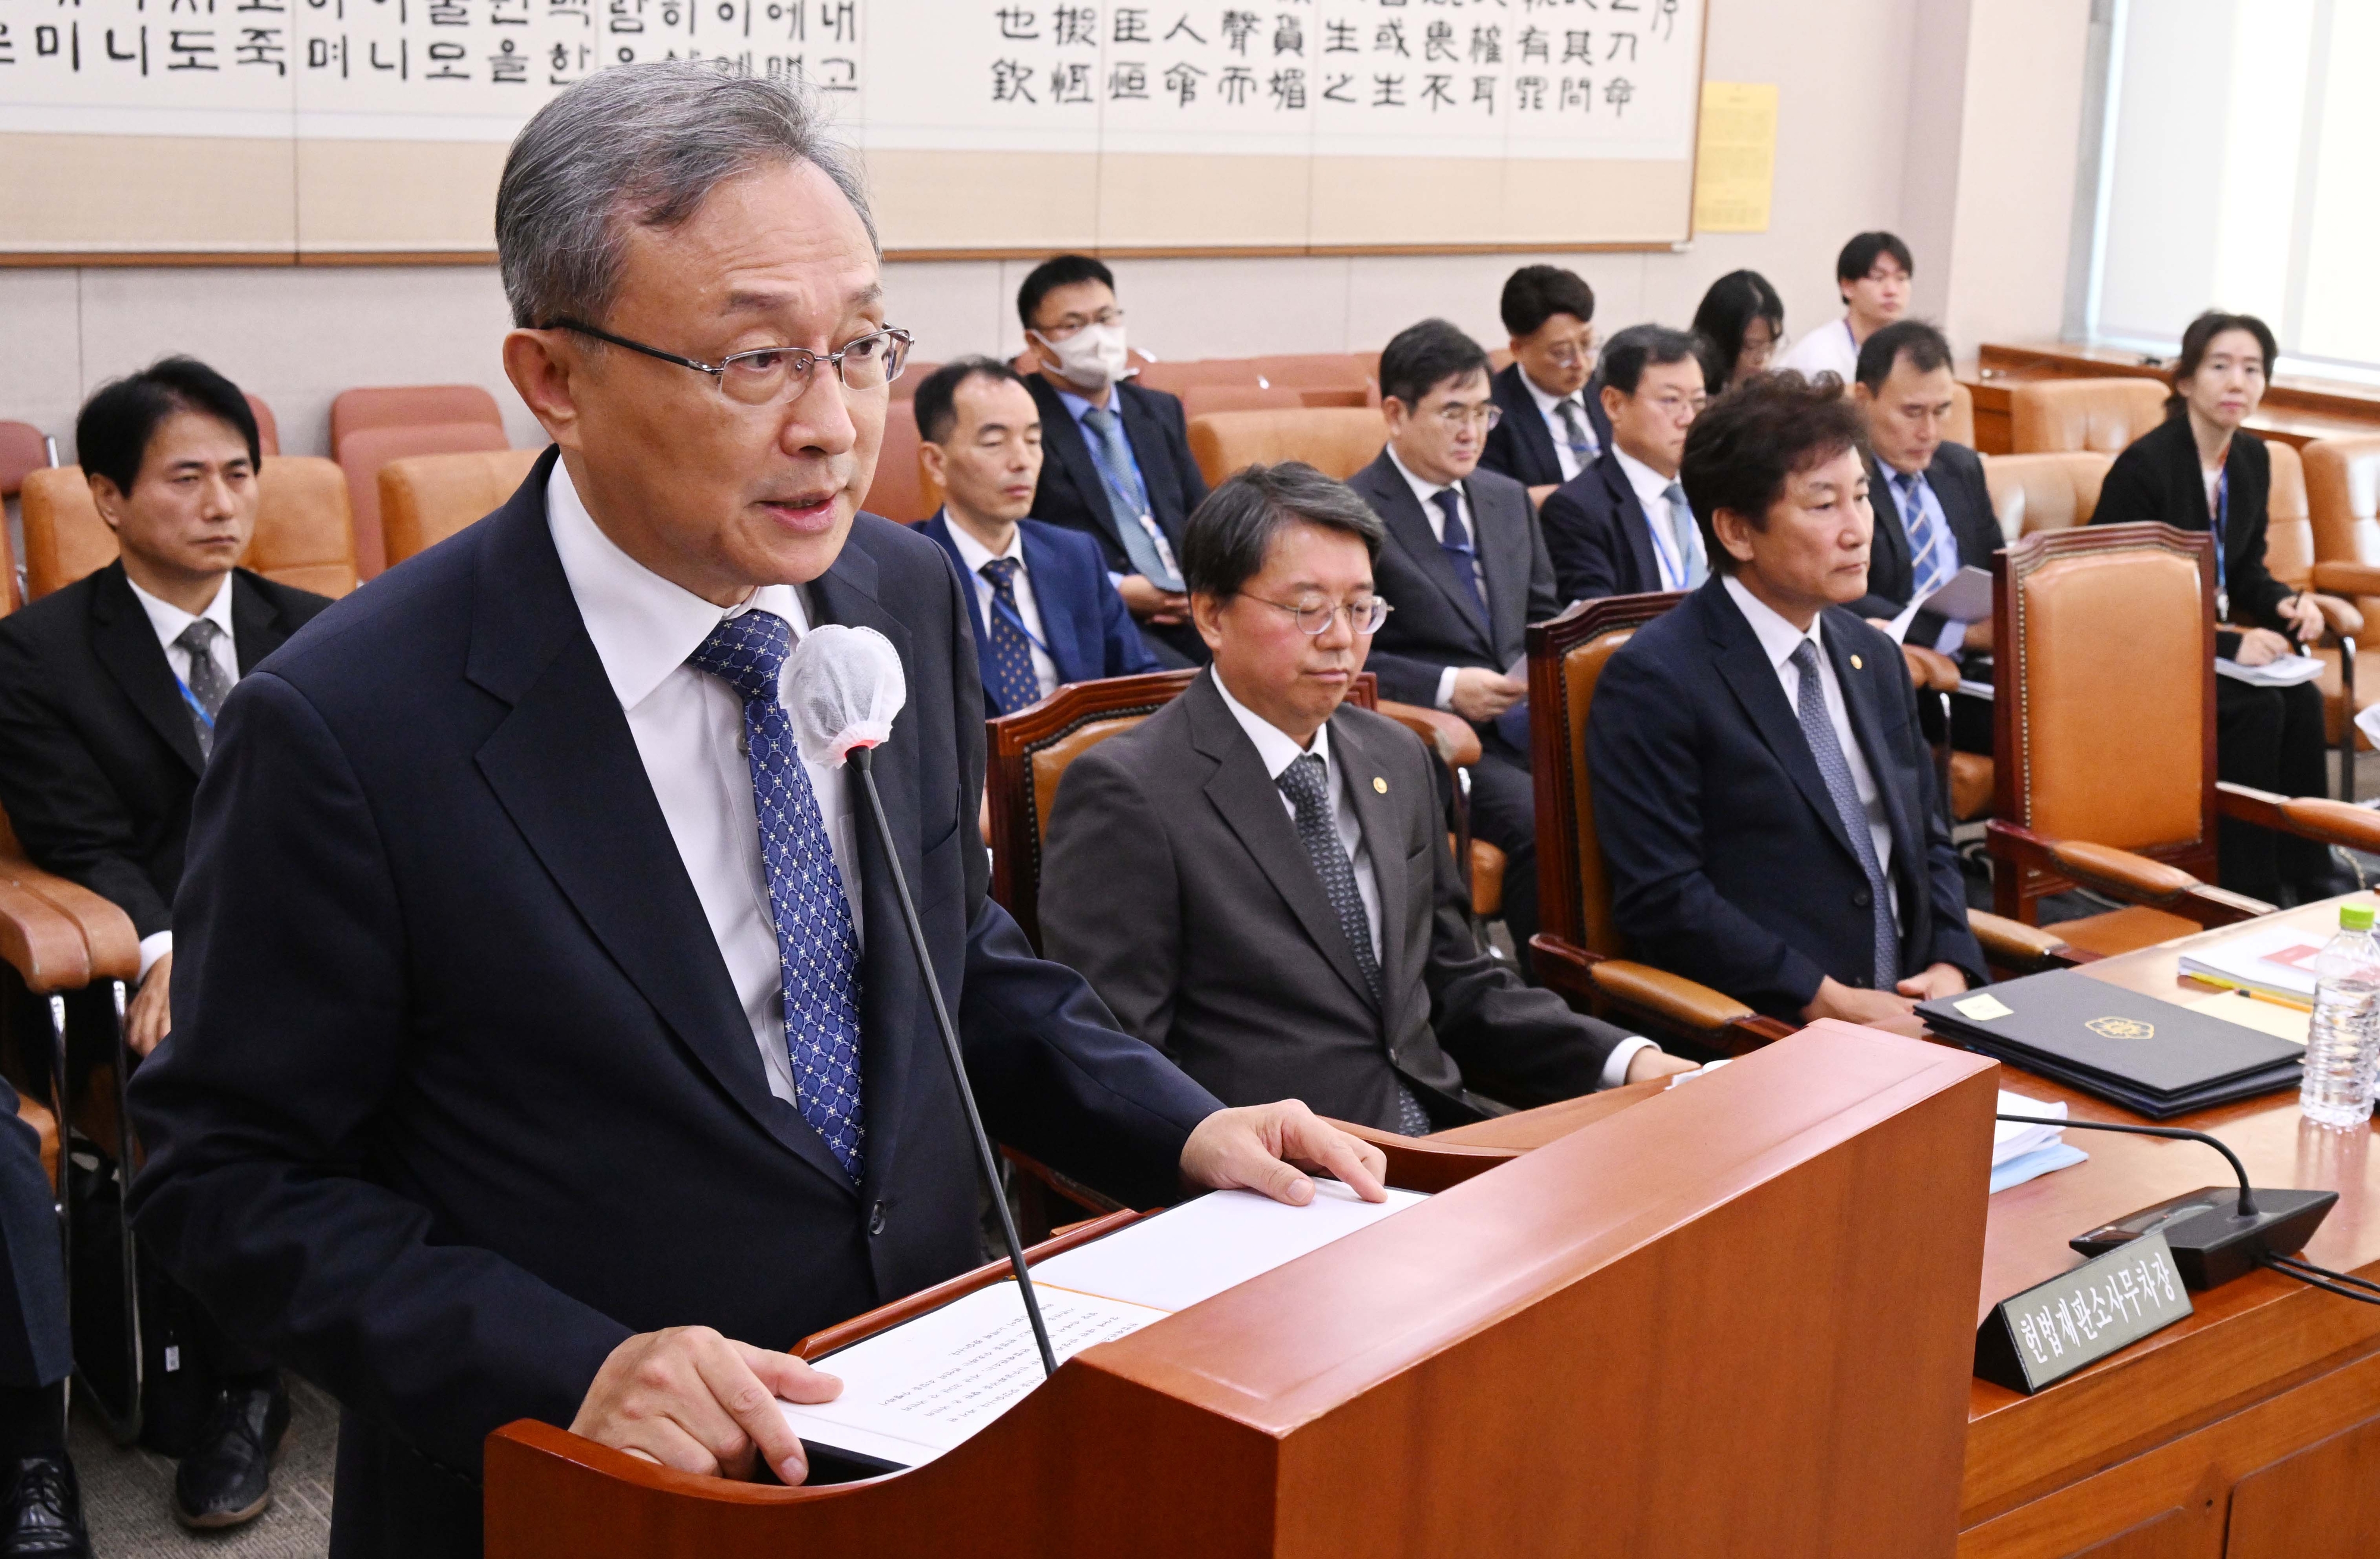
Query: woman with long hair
[1740,323]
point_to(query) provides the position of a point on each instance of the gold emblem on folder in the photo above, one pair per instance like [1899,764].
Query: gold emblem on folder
[2121,1028]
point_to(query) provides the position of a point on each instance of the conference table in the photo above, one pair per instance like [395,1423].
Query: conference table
[2249,1430]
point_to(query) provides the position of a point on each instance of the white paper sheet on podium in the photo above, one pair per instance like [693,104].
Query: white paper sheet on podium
[923,1387]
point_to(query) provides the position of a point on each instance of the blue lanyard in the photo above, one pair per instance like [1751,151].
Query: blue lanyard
[196,707]
[2222,525]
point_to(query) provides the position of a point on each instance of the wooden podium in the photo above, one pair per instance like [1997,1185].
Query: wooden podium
[1737,1316]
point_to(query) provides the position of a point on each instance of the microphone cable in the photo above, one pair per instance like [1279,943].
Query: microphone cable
[2344,1284]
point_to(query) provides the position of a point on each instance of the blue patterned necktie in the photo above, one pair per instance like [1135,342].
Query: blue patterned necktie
[818,950]
[1691,562]
[1306,784]
[1009,673]
[1819,731]
[1128,500]
[1933,563]
[1454,539]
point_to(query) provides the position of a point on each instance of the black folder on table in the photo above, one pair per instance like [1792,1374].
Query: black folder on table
[2157,1057]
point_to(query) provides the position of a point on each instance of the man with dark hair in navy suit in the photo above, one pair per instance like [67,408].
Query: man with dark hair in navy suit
[546,1045]
[1119,467]
[1554,425]
[1043,610]
[1765,798]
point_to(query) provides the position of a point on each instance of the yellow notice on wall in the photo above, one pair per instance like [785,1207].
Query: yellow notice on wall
[1735,163]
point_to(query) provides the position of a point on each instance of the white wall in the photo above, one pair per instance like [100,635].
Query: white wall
[1878,114]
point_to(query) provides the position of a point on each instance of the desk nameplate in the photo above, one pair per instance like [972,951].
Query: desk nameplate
[2080,1317]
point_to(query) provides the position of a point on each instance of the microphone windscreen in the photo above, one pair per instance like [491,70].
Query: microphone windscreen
[841,686]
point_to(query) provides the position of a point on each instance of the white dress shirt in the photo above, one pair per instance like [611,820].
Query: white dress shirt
[1828,350]
[975,555]
[1778,639]
[1426,494]
[1548,408]
[1652,490]
[688,727]
[170,622]
[1277,749]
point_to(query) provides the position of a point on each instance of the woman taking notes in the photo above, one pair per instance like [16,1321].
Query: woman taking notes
[2199,471]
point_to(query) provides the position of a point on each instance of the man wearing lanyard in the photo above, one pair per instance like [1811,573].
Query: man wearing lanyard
[1623,525]
[1872,273]
[1119,465]
[108,695]
[1043,610]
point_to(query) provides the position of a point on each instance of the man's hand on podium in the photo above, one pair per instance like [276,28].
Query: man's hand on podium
[690,1399]
[1263,1148]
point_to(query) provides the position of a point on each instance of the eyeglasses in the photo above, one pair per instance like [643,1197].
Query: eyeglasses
[1315,617]
[1484,416]
[1070,323]
[1675,406]
[768,374]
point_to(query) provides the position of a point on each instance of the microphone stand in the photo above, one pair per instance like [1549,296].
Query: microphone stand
[861,759]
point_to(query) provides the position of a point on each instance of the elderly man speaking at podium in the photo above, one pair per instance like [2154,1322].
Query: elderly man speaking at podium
[525,1065]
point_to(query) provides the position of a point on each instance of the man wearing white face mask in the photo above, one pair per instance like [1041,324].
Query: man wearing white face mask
[1117,457]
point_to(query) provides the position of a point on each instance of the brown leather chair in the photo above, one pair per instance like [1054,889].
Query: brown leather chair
[408,406]
[2342,488]
[302,528]
[2049,414]
[2118,793]
[2350,675]
[1960,428]
[1337,441]
[1580,950]
[24,449]
[365,450]
[268,431]
[897,491]
[913,374]
[2051,492]
[1322,378]
[426,498]
[1175,377]
[1199,400]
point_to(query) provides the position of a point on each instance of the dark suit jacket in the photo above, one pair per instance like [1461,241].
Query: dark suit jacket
[1084,624]
[1436,623]
[1521,447]
[460,1094]
[98,755]
[1174,879]
[1595,532]
[1957,478]
[1728,862]
[2158,478]
[1070,493]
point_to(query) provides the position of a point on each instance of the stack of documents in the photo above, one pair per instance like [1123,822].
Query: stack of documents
[2279,962]
[2281,671]
[922,1388]
[2026,1153]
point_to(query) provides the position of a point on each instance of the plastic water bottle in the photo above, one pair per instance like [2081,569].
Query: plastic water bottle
[2344,1036]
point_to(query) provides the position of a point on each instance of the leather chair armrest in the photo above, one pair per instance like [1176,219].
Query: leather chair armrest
[46,1127]
[1449,736]
[1930,671]
[2012,944]
[112,946]
[2341,616]
[1675,1000]
[2311,817]
[2140,880]
[38,939]
[2341,577]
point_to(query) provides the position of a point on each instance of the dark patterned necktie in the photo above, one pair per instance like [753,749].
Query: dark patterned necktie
[1306,784]
[1454,539]
[1009,673]
[1577,435]
[818,948]
[1819,731]
[209,687]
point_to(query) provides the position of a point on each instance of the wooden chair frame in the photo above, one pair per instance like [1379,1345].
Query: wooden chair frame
[2175,877]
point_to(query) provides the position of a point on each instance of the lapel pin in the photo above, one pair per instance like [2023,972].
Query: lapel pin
[1380,786]
[1858,665]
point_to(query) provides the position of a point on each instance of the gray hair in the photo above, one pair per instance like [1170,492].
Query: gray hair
[1230,535]
[642,144]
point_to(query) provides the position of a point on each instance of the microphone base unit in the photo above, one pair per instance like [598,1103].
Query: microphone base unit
[2212,1240]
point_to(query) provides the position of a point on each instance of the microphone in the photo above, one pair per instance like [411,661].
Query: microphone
[2211,1243]
[842,686]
